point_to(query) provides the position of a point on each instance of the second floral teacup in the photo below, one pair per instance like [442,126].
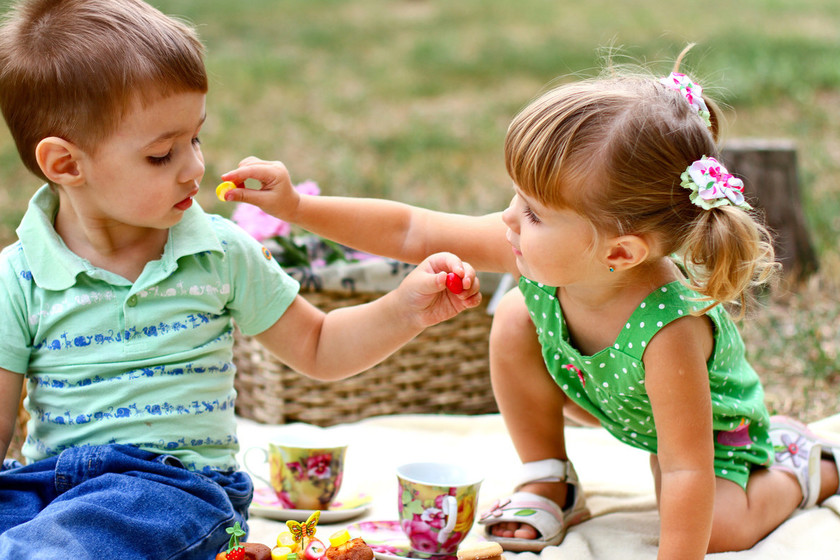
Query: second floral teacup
[305,470]
[437,503]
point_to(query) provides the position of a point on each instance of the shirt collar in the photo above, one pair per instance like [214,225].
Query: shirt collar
[55,267]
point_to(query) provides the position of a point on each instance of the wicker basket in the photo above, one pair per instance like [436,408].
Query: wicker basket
[445,369]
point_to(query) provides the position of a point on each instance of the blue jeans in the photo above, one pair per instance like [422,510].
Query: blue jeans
[117,501]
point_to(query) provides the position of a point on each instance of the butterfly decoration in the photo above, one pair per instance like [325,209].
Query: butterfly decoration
[306,530]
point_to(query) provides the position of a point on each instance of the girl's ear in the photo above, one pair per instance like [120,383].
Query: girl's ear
[627,251]
[59,161]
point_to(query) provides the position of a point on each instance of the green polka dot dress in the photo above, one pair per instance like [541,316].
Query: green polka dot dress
[611,384]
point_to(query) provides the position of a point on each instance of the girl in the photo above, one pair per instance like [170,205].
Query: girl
[612,178]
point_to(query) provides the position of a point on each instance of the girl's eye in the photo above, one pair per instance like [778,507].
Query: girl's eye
[529,214]
[162,160]
[196,141]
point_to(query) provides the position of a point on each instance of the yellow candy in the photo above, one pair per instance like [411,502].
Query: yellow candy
[339,537]
[223,188]
[287,540]
[280,552]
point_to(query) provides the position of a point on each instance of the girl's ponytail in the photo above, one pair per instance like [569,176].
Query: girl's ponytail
[727,252]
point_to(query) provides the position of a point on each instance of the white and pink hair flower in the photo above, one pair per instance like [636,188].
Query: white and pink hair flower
[711,185]
[692,93]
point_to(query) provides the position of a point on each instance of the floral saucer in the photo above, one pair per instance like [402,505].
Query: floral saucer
[266,504]
[388,541]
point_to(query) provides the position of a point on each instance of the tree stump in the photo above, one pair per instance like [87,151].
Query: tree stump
[769,171]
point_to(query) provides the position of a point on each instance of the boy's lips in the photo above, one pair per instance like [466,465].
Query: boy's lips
[187,202]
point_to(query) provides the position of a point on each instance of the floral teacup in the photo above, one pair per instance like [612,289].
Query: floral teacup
[437,503]
[305,473]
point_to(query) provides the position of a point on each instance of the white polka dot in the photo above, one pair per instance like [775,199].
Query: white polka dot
[642,325]
[643,305]
[661,306]
[659,323]
[664,289]
[605,384]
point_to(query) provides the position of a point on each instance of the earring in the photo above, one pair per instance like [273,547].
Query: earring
[612,269]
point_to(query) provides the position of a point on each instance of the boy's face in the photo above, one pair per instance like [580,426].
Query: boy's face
[147,173]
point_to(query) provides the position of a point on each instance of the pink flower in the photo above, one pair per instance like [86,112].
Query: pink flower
[423,537]
[258,224]
[308,187]
[318,466]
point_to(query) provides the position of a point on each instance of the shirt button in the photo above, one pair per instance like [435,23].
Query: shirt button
[132,301]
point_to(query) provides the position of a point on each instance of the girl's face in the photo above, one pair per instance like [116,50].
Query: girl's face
[552,246]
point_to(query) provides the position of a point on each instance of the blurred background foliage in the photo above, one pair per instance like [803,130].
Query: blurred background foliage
[410,99]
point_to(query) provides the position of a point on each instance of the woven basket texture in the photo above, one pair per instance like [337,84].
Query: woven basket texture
[444,370]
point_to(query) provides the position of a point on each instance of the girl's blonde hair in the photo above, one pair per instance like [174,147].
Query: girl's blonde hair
[613,149]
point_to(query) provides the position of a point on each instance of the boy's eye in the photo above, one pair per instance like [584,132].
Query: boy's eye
[160,160]
[196,141]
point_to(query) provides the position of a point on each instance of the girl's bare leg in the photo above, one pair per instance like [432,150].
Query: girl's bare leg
[529,400]
[741,519]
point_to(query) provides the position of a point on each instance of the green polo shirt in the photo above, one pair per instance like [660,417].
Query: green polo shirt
[147,363]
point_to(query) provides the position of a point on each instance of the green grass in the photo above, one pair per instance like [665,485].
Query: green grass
[410,99]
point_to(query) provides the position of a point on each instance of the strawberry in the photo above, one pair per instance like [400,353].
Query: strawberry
[237,553]
[235,550]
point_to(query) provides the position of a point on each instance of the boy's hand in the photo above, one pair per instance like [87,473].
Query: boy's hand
[276,194]
[425,292]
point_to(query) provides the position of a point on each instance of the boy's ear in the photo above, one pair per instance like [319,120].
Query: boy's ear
[59,161]
[627,251]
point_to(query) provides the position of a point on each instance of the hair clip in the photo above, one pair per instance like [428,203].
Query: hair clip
[711,185]
[692,93]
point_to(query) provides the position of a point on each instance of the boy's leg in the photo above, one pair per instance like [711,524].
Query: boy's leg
[529,400]
[121,502]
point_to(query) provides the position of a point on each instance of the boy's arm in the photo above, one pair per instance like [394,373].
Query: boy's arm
[349,340]
[381,227]
[11,385]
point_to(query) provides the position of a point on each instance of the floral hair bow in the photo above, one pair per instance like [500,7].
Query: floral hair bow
[692,92]
[711,185]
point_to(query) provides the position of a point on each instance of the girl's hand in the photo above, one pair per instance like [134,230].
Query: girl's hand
[425,294]
[276,194]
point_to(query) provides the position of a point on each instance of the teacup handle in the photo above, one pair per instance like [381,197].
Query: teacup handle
[251,471]
[450,510]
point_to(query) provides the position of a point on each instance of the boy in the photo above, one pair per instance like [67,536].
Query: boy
[118,299]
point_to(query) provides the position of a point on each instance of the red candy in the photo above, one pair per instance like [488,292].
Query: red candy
[454,283]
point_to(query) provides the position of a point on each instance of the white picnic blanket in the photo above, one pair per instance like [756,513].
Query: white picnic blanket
[615,477]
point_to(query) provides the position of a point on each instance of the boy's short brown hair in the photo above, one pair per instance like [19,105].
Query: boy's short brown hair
[71,68]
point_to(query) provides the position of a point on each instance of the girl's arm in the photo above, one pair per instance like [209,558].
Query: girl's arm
[11,385]
[381,227]
[349,340]
[677,382]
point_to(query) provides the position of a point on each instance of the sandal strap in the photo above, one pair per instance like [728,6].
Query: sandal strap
[546,470]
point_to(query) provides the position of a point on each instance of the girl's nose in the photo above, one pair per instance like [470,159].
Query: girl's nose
[509,215]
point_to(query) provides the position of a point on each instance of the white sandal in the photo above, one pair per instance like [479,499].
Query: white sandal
[798,451]
[545,516]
